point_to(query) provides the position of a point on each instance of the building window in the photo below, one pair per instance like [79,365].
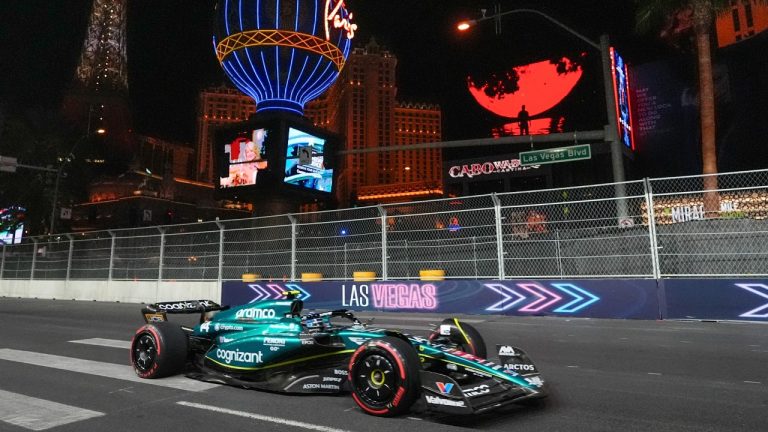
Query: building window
[736,21]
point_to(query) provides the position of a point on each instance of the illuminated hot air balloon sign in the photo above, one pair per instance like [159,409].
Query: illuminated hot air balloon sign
[283,53]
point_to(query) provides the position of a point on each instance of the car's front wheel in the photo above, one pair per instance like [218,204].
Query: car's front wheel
[384,376]
[159,350]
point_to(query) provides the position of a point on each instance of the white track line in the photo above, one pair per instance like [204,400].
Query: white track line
[39,414]
[108,370]
[110,343]
[260,417]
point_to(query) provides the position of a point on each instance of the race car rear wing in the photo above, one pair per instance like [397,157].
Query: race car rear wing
[158,311]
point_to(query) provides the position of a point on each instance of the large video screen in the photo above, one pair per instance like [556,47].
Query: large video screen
[246,155]
[11,225]
[305,164]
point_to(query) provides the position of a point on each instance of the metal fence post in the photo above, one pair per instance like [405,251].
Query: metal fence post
[499,235]
[34,260]
[559,253]
[162,254]
[292,218]
[384,265]
[345,262]
[2,263]
[69,256]
[653,239]
[111,257]
[221,251]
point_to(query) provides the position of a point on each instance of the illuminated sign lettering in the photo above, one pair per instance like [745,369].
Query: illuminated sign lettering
[623,103]
[487,168]
[333,15]
[391,296]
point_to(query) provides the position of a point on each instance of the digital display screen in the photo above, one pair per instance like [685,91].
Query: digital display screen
[11,225]
[623,103]
[305,162]
[246,156]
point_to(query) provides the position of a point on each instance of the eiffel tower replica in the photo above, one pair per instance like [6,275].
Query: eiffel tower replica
[98,96]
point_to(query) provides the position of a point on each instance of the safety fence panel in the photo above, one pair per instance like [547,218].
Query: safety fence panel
[137,254]
[18,260]
[695,226]
[712,225]
[91,256]
[260,247]
[338,243]
[455,235]
[576,232]
[52,258]
[191,252]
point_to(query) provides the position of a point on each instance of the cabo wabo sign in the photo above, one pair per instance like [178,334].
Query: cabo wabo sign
[487,168]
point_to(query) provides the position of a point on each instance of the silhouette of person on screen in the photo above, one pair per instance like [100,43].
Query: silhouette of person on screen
[523,118]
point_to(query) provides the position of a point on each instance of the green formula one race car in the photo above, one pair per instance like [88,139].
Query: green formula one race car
[271,345]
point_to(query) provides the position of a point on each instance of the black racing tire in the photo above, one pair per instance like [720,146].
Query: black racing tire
[464,336]
[384,376]
[159,350]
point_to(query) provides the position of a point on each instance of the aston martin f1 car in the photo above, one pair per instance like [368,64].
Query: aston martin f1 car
[272,345]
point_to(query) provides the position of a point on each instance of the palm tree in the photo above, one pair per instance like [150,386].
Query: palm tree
[698,16]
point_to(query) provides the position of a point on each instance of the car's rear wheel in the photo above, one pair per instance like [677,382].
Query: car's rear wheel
[464,336]
[384,376]
[159,350]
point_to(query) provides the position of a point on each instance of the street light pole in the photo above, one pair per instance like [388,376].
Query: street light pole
[611,135]
[67,159]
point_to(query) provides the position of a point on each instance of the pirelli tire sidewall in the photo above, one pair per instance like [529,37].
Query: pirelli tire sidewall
[170,353]
[404,379]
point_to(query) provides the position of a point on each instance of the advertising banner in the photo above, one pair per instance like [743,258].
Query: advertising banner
[615,298]
[716,299]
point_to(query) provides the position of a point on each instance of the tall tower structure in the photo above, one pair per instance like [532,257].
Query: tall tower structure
[217,107]
[98,97]
[363,107]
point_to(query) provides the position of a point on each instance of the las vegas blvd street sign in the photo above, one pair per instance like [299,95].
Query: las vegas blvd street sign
[555,155]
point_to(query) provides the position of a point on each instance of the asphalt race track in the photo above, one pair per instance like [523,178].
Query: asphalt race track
[605,375]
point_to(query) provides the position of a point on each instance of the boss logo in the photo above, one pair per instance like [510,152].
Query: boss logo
[340,372]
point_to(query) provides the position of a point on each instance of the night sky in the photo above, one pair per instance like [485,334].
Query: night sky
[171,57]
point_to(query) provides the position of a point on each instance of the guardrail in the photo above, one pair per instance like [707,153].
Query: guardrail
[673,228]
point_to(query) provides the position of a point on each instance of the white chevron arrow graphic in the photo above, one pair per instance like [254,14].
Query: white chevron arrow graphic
[762,291]
[261,292]
[505,291]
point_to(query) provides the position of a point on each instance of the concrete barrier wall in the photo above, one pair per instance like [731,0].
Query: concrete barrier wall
[703,299]
[115,291]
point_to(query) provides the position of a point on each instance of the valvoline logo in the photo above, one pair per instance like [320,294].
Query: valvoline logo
[445,388]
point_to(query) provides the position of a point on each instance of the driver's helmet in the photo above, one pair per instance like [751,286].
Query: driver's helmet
[316,324]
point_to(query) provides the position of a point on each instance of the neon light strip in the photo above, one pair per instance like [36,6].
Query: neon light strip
[286,38]
[530,307]
[568,308]
[629,107]
[277,49]
[314,87]
[752,288]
